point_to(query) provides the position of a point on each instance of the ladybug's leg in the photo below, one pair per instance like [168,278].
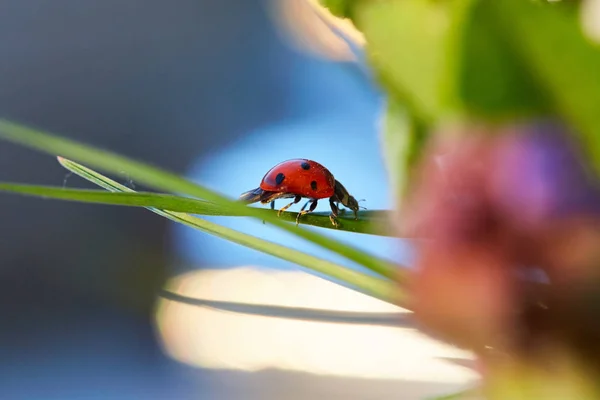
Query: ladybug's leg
[273,205]
[313,205]
[334,212]
[296,200]
[305,204]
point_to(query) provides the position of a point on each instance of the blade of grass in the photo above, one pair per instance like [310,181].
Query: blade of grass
[185,204]
[137,199]
[376,287]
[379,288]
[160,179]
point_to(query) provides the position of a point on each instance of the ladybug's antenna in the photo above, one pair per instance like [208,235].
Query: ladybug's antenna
[364,208]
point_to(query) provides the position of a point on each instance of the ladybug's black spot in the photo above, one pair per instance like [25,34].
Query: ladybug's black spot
[305,165]
[279,178]
[313,185]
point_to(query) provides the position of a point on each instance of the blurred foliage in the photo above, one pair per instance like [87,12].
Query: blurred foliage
[494,61]
[449,58]
[402,137]
[340,8]
[550,41]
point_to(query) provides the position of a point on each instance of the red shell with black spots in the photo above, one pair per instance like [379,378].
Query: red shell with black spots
[301,177]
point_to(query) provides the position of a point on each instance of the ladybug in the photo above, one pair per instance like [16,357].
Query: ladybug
[300,178]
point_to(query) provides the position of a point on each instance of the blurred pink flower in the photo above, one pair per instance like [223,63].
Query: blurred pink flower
[493,204]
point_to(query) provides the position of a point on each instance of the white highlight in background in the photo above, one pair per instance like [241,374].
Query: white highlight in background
[217,339]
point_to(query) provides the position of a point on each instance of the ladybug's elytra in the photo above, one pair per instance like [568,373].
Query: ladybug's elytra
[300,178]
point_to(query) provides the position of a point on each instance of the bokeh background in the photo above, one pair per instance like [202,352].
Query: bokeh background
[219,91]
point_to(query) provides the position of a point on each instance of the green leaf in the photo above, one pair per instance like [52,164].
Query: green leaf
[550,41]
[448,59]
[380,288]
[405,43]
[162,180]
[339,8]
[370,219]
[483,77]
[403,139]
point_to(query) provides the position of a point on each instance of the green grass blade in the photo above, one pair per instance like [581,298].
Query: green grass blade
[163,180]
[137,199]
[185,204]
[380,288]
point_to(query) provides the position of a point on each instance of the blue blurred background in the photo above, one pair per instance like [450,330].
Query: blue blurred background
[209,89]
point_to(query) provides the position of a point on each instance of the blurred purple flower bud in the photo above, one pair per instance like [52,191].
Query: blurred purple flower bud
[538,175]
[503,199]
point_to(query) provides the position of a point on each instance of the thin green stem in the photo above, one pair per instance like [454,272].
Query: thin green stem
[365,225]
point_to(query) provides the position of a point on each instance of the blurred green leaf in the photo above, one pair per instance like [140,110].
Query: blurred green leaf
[339,8]
[484,77]
[530,378]
[369,219]
[405,43]
[448,58]
[380,288]
[403,139]
[550,41]
[160,179]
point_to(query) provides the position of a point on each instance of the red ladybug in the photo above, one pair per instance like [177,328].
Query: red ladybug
[300,178]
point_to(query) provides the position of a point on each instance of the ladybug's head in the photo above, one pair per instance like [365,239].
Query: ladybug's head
[352,204]
[346,198]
